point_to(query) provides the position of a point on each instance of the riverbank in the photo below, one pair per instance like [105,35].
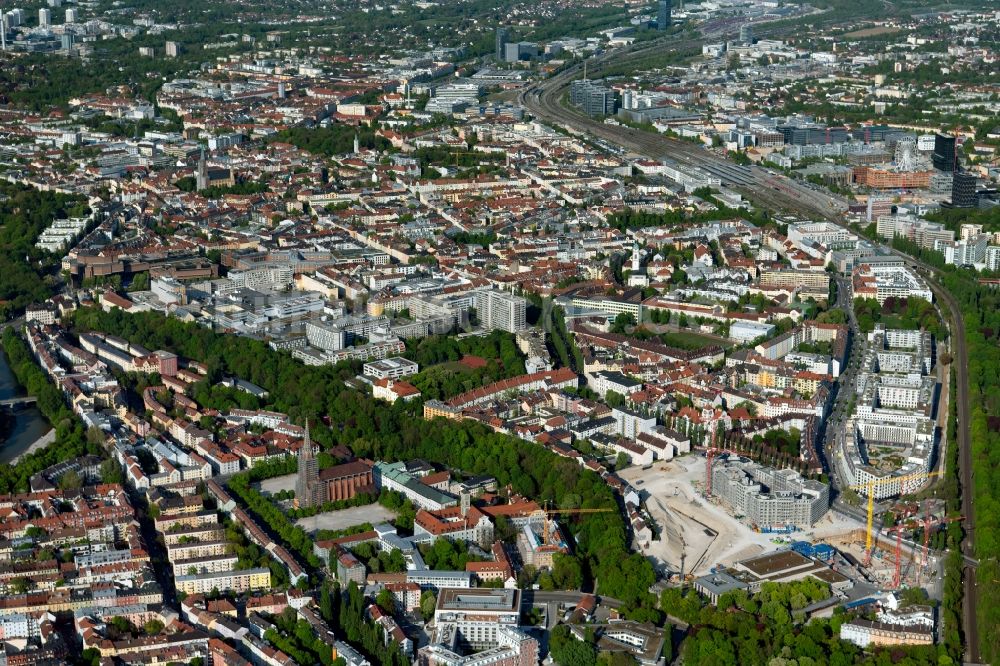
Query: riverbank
[37,445]
[25,425]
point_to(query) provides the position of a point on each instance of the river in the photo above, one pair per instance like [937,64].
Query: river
[28,423]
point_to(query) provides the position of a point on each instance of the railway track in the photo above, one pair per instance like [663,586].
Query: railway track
[544,99]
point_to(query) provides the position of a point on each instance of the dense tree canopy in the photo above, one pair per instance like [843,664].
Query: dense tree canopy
[904,313]
[27,271]
[442,377]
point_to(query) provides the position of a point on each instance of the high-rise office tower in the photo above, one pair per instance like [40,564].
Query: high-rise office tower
[963,190]
[44,17]
[502,35]
[663,16]
[70,15]
[944,157]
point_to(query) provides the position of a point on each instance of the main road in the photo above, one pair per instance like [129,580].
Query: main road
[544,100]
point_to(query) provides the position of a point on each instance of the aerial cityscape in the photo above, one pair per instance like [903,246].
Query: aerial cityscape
[500,333]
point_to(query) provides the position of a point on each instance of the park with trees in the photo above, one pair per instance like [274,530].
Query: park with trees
[28,272]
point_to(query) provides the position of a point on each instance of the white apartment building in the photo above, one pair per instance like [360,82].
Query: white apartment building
[59,234]
[245,580]
[324,336]
[632,424]
[440,580]
[479,614]
[390,368]
[923,233]
[603,381]
[882,281]
[204,565]
[500,310]
[18,625]
[992,258]
[965,252]
[268,276]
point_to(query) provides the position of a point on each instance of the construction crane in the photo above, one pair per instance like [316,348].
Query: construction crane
[928,522]
[924,523]
[547,536]
[870,487]
[899,529]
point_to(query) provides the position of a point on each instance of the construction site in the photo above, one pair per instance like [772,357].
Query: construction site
[696,535]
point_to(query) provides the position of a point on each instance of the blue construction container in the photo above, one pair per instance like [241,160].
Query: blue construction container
[857,603]
[820,551]
[803,548]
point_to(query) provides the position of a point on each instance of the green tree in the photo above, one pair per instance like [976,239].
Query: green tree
[567,573]
[95,436]
[621,461]
[568,651]
[428,602]
[386,601]
[111,472]
[90,657]
[153,627]
[623,322]
[70,481]
[140,282]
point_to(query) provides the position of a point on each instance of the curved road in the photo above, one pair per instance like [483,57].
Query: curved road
[544,99]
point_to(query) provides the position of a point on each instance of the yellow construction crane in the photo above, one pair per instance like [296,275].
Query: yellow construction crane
[870,487]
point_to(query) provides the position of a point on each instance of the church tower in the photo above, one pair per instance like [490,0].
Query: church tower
[308,476]
[201,176]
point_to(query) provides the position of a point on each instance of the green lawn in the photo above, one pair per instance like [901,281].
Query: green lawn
[689,340]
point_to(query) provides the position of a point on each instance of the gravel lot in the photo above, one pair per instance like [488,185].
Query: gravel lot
[339,520]
[277,484]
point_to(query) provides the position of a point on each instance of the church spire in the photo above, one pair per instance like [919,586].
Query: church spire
[201,175]
[306,481]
